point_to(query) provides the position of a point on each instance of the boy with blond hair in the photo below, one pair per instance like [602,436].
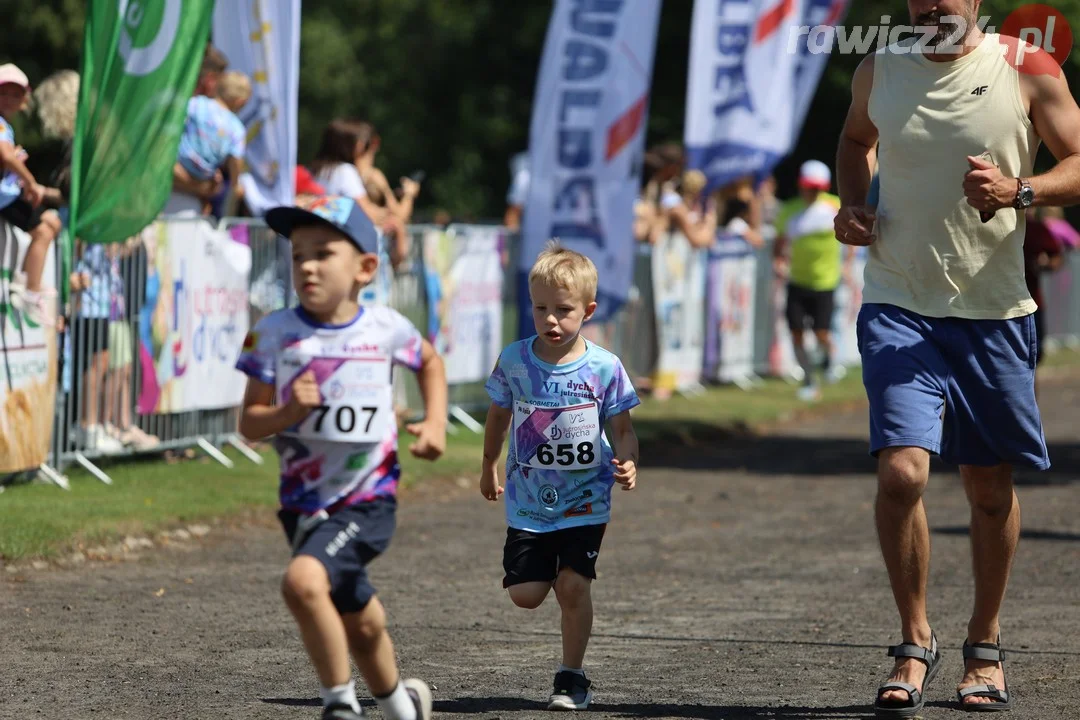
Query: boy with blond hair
[557,390]
[321,382]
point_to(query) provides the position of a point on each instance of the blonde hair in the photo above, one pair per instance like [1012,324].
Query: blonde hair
[234,86]
[56,101]
[560,267]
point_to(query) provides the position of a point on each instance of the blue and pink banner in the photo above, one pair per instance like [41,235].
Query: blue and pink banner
[587,139]
[754,68]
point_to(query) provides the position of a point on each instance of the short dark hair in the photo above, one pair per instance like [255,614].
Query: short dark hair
[214,61]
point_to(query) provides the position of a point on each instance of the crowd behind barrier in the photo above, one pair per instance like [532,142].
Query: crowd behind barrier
[141,360]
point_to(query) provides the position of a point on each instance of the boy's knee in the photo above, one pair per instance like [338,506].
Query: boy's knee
[305,582]
[572,589]
[528,596]
[366,628]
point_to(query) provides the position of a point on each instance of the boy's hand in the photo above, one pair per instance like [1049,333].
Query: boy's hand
[35,194]
[625,473]
[489,485]
[430,439]
[305,395]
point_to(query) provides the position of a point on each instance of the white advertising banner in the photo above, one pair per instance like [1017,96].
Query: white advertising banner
[732,281]
[464,286]
[587,137]
[28,357]
[261,38]
[198,319]
[679,298]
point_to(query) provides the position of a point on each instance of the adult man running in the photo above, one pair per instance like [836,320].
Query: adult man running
[946,330]
[805,224]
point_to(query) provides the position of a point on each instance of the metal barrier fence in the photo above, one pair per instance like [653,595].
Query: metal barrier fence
[115,304]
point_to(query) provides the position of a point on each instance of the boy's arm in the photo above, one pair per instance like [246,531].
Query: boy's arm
[261,418]
[11,158]
[625,445]
[495,429]
[431,433]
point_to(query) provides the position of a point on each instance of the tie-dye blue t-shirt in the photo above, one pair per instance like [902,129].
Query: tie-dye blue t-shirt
[559,469]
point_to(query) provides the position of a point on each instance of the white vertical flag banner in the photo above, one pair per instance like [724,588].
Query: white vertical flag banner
[587,138]
[754,67]
[261,38]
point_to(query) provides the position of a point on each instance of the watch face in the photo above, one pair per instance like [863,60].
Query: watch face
[1027,196]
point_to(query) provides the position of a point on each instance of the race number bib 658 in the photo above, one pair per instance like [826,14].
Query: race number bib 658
[566,438]
[357,400]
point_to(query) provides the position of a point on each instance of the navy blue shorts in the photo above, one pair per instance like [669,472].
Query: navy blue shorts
[345,543]
[963,389]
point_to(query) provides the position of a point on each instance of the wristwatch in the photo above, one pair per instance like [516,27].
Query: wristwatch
[1025,195]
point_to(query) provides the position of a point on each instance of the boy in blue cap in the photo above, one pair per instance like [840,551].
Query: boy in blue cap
[320,382]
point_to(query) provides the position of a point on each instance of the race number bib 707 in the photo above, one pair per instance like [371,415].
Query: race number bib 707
[565,438]
[357,399]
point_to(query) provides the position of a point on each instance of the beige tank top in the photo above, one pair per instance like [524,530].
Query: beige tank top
[933,255]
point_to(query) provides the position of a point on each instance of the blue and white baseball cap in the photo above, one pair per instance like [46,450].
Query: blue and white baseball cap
[334,211]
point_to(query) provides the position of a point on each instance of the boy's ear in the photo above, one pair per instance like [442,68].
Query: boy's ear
[589,310]
[368,266]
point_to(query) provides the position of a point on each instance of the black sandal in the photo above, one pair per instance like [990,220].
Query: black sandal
[990,652]
[909,708]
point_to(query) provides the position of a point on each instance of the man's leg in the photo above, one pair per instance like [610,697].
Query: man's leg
[903,473]
[995,532]
[825,343]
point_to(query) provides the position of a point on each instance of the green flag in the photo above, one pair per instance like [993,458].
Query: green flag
[141,60]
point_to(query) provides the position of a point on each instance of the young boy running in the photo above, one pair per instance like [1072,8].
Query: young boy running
[320,382]
[558,391]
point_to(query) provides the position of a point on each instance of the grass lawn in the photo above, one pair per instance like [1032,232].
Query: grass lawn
[39,520]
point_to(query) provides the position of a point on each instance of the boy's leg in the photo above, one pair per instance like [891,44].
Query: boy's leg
[579,549]
[373,651]
[41,237]
[575,599]
[306,589]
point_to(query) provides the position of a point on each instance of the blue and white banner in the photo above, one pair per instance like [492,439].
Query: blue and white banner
[261,38]
[587,139]
[754,68]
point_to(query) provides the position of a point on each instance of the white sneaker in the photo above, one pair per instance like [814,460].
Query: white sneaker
[421,696]
[835,374]
[33,305]
[96,439]
[809,393]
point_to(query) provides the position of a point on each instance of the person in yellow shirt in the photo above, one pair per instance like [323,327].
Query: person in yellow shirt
[946,329]
[807,252]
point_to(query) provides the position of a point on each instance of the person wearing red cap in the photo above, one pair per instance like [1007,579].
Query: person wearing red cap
[814,269]
[21,197]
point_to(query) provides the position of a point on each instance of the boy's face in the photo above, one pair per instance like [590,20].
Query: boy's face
[12,99]
[328,270]
[558,313]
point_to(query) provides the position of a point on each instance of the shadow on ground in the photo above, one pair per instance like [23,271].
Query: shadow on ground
[700,446]
[484,705]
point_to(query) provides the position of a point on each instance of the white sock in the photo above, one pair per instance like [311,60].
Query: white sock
[398,705]
[341,695]
[576,671]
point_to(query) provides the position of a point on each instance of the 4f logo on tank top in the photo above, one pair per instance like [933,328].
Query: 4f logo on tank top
[981,90]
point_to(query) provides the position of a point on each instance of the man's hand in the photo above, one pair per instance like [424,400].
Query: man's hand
[854,225]
[305,395]
[625,473]
[410,188]
[430,439]
[986,188]
[489,484]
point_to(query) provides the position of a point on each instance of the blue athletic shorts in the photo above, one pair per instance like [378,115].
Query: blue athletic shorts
[963,389]
[345,543]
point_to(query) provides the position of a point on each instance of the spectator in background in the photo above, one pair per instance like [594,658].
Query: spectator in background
[742,214]
[817,262]
[518,193]
[689,211]
[214,64]
[344,144]
[214,138]
[377,186]
[22,197]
